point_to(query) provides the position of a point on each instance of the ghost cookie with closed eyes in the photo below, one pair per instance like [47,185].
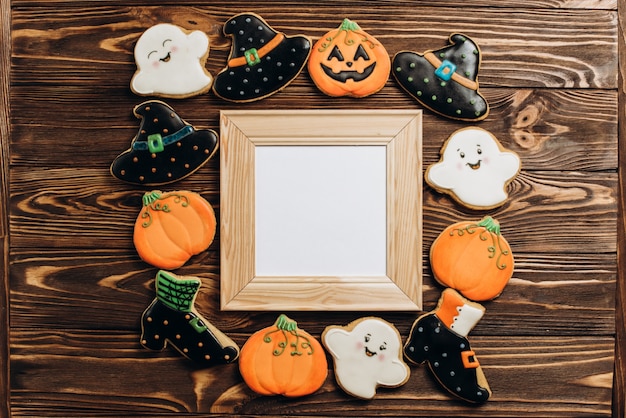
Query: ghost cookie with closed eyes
[474,169]
[367,353]
[171,62]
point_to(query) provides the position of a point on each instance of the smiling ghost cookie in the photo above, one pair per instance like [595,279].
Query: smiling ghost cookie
[165,149]
[444,80]
[347,61]
[474,169]
[367,353]
[171,319]
[171,62]
[262,61]
[439,338]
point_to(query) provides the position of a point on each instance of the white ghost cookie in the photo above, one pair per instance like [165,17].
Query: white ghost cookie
[170,62]
[367,353]
[474,169]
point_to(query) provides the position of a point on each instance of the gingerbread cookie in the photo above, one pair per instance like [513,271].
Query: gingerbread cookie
[171,62]
[283,360]
[172,319]
[439,338]
[473,258]
[367,354]
[445,80]
[347,61]
[262,61]
[474,169]
[172,227]
[165,149]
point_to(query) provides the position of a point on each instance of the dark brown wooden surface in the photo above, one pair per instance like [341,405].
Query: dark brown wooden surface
[75,288]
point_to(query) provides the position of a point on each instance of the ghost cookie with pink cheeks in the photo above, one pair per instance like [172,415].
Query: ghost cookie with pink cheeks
[367,353]
[170,62]
[474,169]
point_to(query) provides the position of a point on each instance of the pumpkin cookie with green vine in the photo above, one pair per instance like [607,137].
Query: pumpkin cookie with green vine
[283,360]
[348,61]
[172,227]
[473,258]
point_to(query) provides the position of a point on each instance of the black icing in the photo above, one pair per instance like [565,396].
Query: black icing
[275,70]
[179,159]
[432,342]
[162,325]
[416,75]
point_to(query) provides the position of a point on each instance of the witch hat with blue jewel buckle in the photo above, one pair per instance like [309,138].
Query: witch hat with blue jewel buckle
[165,149]
[445,80]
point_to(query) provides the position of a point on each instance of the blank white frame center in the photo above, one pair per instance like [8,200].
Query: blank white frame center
[321,210]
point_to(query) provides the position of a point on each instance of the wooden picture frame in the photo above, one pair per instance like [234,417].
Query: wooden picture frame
[399,132]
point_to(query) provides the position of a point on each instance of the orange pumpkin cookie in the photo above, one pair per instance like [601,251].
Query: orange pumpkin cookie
[283,360]
[347,61]
[473,258]
[172,227]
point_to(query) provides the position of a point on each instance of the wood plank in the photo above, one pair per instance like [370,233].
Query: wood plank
[546,48]
[365,6]
[550,129]
[48,377]
[110,288]
[81,210]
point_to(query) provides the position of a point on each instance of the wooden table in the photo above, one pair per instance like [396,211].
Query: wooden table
[75,287]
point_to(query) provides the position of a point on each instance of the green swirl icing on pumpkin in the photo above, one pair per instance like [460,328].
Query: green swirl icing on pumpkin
[346,26]
[285,327]
[151,200]
[490,229]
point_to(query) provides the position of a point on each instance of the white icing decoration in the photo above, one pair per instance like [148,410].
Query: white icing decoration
[466,320]
[474,168]
[171,62]
[361,363]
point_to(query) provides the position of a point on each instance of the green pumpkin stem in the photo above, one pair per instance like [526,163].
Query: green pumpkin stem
[151,197]
[490,225]
[347,24]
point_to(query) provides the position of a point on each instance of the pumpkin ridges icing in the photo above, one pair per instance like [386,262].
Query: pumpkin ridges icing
[283,360]
[172,227]
[473,258]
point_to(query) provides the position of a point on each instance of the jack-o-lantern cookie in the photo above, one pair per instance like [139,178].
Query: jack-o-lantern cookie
[439,338]
[283,359]
[172,319]
[367,354]
[171,62]
[262,61]
[347,61]
[474,169]
[445,80]
[473,258]
[172,227]
[165,149]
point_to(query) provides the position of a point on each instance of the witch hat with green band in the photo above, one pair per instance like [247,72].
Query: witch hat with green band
[165,149]
[262,60]
[444,80]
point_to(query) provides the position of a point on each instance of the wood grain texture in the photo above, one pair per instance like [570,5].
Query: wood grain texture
[549,344]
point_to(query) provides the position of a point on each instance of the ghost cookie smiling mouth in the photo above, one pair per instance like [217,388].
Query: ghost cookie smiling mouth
[367,353]
[474,169]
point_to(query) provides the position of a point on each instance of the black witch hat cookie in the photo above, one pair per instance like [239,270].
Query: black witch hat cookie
[446,80]
[262,61]
[439,338]
[171,318]
[165,149]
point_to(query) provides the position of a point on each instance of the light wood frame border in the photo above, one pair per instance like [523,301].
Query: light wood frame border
[400,131]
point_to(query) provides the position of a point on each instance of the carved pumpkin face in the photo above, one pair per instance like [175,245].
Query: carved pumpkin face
[349,62]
